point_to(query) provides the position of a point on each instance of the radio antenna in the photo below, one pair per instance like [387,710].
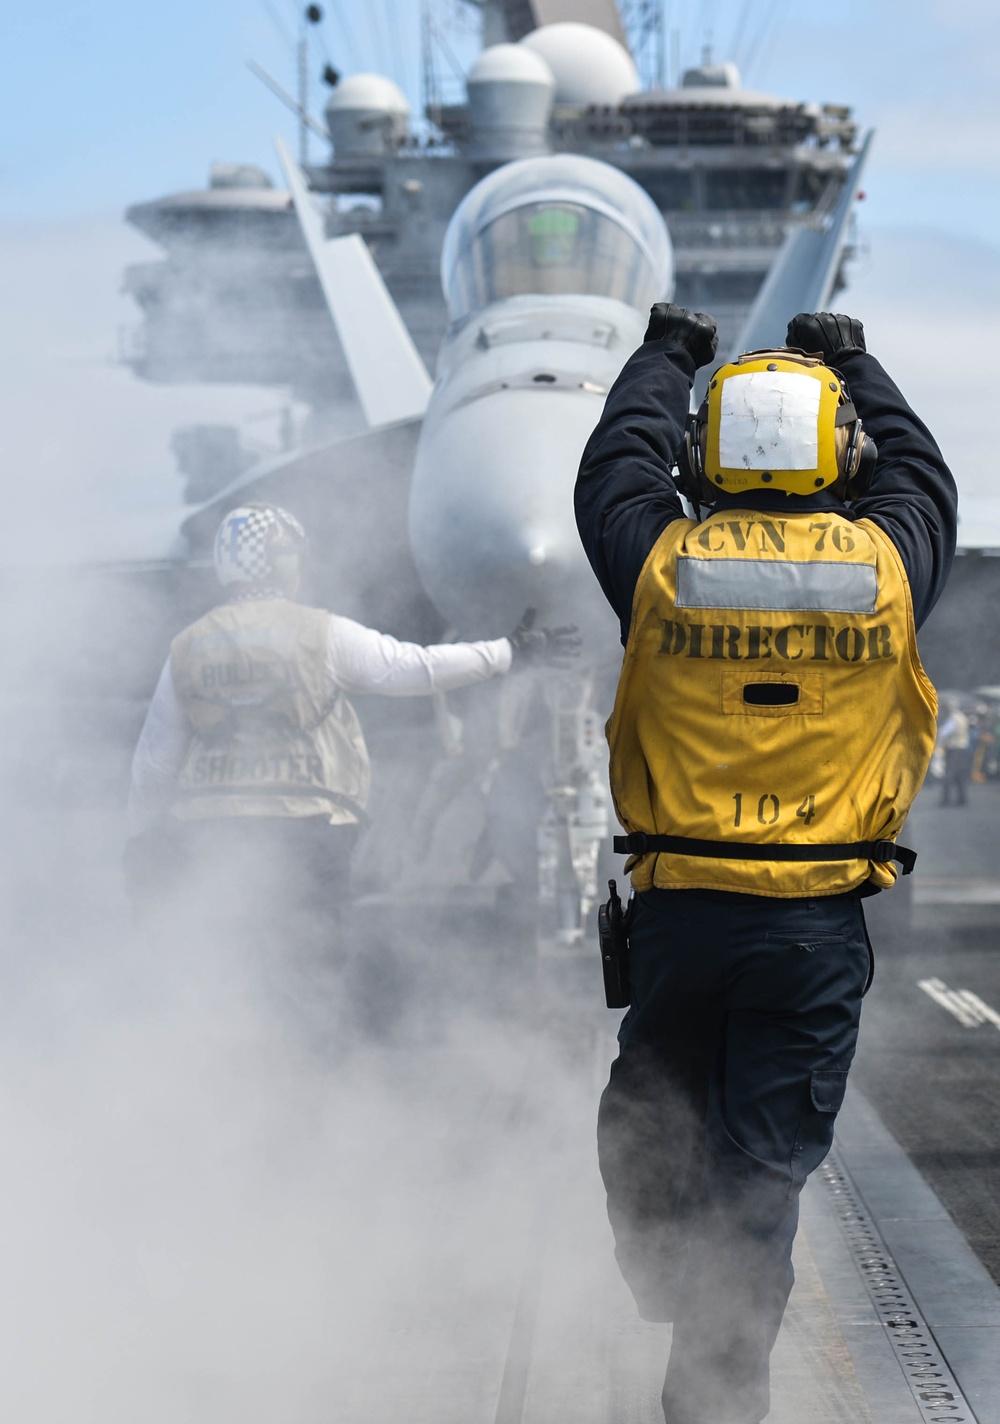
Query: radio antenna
[287,100]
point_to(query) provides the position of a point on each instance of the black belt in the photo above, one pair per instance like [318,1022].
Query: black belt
[639,843]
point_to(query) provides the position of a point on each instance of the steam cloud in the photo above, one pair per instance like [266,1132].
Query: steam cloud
[210,1213]
[227,1200]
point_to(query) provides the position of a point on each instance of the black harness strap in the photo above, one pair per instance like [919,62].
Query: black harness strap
[638,843]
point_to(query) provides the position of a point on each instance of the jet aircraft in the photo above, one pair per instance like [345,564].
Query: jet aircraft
[549,266]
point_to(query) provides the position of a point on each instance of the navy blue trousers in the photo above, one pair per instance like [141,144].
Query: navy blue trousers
[732,1066]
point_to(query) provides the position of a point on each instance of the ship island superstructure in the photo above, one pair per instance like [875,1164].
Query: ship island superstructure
[236,299]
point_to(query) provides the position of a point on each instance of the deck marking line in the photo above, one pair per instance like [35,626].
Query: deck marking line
[934,1387]
[986,1013]
[937,990]
[517,1365]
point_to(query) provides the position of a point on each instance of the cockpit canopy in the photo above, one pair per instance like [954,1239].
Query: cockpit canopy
[551,226]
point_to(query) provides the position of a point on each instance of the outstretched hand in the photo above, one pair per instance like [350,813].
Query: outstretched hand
[531,646]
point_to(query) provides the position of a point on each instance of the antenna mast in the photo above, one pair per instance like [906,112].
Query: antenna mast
[644,21]
[429,76]
[311,15]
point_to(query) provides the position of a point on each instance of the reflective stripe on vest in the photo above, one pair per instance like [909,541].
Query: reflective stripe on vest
[272,738]
[753,583]
[770,693]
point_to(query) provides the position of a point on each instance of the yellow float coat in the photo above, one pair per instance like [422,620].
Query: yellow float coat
[771,691]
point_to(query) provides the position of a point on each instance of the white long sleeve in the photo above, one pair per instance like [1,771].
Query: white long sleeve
[159,755]
[359,659]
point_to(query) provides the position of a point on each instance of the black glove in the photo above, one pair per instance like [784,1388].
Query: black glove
[556,647]
[694,331]
[831,336]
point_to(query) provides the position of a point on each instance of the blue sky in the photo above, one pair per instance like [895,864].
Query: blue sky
[102,105]
[105,103]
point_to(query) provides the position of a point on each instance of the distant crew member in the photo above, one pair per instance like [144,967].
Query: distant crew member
[955,738]
[771,728]
[251,769]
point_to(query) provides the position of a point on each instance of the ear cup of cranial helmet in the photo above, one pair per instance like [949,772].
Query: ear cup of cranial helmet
[857,458]
[864,463]
[688,476]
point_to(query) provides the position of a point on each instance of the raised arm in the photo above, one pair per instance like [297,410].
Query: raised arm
[912,496]
[625,497]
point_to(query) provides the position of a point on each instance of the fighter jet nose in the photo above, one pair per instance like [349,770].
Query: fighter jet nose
[491,511]
[558,257]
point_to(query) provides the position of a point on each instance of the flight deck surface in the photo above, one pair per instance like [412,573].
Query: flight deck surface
[409,1223]
[892,1319]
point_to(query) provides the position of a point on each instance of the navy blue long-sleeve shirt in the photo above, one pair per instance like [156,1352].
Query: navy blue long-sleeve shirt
[625,497]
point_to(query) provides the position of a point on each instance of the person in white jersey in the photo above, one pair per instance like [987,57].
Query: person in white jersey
[251,766]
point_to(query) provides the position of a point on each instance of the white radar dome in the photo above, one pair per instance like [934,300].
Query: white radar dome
[590,67]
[511,64]
[510,103]
[368,91]
[560,225]
[367,115]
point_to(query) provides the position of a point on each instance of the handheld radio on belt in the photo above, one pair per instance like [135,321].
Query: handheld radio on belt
[612,929]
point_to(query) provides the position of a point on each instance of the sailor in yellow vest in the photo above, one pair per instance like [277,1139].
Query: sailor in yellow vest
[771,728]
[251,766]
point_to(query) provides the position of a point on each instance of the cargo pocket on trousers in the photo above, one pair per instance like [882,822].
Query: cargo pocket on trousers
[827,1087]
[815,1135]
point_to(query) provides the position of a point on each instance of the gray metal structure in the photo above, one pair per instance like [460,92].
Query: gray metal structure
[236,297]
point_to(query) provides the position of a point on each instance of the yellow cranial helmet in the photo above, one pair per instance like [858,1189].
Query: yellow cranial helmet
[775,420]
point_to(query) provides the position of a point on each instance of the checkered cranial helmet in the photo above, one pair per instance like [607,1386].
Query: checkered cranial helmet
[258,544]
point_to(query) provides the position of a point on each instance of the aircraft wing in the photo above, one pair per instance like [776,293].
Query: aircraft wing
[802,276]
[389,376]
